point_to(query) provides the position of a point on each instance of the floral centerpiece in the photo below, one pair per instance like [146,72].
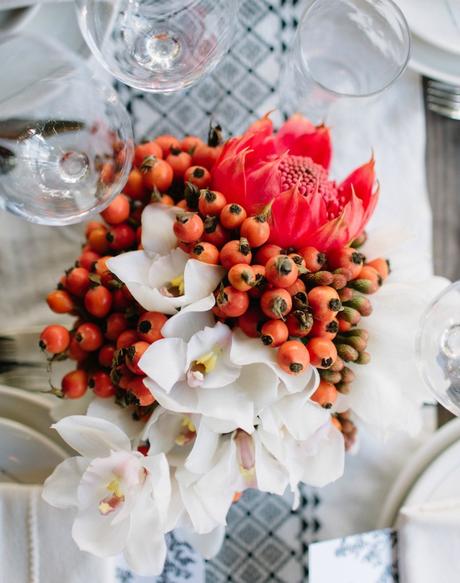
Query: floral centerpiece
[219,336]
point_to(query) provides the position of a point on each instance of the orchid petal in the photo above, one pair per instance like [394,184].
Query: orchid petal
[247,350]
[146,549]
[271,475]
[209,544]
[201,279]
[60,489]
[164,362]
[121,417]
[94,534]
[167,267]
[218,339]
[200,459]
[327,464]
[132,266]
[158,236]
[92,437]
[163,428]
[191,319]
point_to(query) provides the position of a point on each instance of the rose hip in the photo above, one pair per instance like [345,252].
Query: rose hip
[232,216]
[77,281]
[118,210]
[115,324]
[54,339]
[135,352]
[89,336]
[74,384]
[149,326]
[60,302]
[105,355]
[101,384]
[127,338]
[188,227]
[293,357]
[234,252]
[276,303]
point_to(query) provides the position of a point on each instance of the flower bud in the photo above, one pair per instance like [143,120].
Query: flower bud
[363,358]
[362,304]
[349,315]
[347,352]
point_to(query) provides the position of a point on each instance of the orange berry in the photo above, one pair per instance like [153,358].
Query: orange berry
[214,232]
[382,266]
[274,333]
[346,257]
[60,302]
[136,386]
[54,339]
[292,357]
[121,237]
[325,328]
[260,281]
[231,302]
[92,225]
[241,277]
[98,241]
[157,173]
[134,186]
[149,326]
[324,301]
[211,202]
[281,271]
[76,352]
[74,384]
[323,352]
[179,162]
[314,259]
[190,143]
[370,273]
[205,252]
[234,252]
[256,230]
[101,384]
[105,355]
[205,155]
[188,227]
[115,324]
[296,287]
[198,176]
[182,204]
[325,395]
[127,338]
[135,352]
[98,301]
[266,252]
[143,151]
[117,211]
[167,200]
[336,423]
[299,323]
[276,303]
[77,281]
[89,336]
[166,142]
[87,259]
[250,321]
[232,216]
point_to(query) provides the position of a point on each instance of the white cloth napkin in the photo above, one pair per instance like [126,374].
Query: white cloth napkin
[429,542]
[36,544]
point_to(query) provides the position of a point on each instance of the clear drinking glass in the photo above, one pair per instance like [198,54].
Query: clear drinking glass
[158,45]
[344,49]
[438,348]
[66,143]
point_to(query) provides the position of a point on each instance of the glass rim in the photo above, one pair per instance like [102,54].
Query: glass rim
[402,68]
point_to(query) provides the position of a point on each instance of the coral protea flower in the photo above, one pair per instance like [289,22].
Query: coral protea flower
[289,169]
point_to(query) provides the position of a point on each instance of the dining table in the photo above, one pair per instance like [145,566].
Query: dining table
[266,539]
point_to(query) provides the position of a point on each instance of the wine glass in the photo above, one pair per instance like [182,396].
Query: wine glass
[156,45]
[344,49]
[438,347]
[66,143]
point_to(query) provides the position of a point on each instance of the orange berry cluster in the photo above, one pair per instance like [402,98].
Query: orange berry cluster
[305,303]
[111,330]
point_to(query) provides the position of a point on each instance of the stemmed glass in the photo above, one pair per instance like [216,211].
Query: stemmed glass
[65,139]
[343,49]
[438,348]
[158,45]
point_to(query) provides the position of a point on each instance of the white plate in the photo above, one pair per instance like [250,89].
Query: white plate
[26,456]
[432,21]
[420,463]
[31,410]
[434,62]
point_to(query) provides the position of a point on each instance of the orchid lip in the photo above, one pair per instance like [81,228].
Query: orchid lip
[187,433]
[174,288]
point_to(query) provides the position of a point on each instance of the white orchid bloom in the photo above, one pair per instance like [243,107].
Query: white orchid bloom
[221,374]
[168,282]
[121,497]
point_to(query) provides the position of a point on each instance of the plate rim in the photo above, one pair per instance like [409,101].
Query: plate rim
[440,441]
[6,422]
[418,65]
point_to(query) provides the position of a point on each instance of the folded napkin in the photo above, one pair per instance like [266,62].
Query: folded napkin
[429,542]
[36,545]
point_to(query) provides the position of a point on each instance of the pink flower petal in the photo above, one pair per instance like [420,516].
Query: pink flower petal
[301,138]
[290,222]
